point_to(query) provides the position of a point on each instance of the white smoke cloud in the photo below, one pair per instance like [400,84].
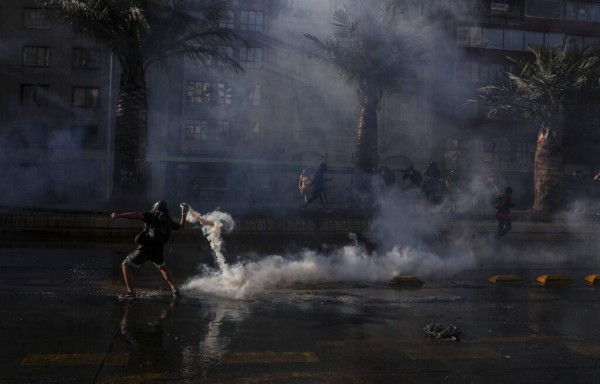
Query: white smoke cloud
[351,263]
[246,279]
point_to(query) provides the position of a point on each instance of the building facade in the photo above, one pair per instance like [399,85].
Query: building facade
[55,111]
[220,138]
[487,33]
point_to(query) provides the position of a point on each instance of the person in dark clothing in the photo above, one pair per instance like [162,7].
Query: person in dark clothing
[151,241]
[413,176]
[433,171]
[387,176]
[504,203]
[319,189]
[432,187]
[452,189]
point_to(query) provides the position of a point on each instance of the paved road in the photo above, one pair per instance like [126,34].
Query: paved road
[62,323]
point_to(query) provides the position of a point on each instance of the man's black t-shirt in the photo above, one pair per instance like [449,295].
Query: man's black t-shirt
[158,227]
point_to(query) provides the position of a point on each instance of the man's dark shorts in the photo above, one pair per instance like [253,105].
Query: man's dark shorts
[140,256]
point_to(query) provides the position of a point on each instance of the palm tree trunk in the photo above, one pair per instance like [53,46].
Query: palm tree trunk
[366,156]
[548,171]
[129,176]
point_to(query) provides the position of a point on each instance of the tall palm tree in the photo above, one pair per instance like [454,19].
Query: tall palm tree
[545,90]
[372,50]
[139,33]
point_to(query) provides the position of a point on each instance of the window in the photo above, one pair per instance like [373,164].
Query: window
[86,58]
[255,98]
[36,56]
[497,152]
[583,10]
[509,39]
[36,18]
[34,94]
[545,8]
[199,92]
[223,128]
[513,40]
[251,21]
[500,7]
[524,153]
[86,97]
[451,153]
[478,72]
[227,20]
[553,39]
[225,93]
[476,37]
[462,36]
[462,71]
[572,41]
[534,38]
[591,40]
[492,38]
[197,130]
[251,57]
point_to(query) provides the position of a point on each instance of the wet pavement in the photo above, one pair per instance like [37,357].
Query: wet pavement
[62,323]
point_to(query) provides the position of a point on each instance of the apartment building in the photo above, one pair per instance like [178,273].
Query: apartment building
[244,138]
[55,111]
[485,36]
[219,137]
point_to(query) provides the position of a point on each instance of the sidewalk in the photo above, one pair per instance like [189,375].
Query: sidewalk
[96,226]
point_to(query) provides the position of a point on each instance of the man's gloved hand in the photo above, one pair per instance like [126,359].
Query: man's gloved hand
[184,208]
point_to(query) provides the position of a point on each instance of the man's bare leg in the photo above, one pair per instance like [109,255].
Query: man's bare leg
[127,277]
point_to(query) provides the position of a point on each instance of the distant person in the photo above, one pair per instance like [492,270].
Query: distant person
[413,176]
[151,242]
[433,171]
[319,189]
[304,186]
[451,186]
[387,176]
[504,203]
[432,187]
[492,190]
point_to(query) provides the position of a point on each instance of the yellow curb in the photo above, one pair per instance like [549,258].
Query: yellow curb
[506,279]
[593,279]
[267,357]
[406,280]
[554,280]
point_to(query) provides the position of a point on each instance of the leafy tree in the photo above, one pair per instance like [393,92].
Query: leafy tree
[372,50]
[139,33]
[545,91]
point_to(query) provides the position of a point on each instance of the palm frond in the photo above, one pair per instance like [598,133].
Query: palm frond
[147,31]
[377,48]
[547,86]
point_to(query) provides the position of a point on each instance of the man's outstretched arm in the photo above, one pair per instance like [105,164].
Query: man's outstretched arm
[127,215]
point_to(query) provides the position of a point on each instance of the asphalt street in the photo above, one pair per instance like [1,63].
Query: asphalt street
[63,323]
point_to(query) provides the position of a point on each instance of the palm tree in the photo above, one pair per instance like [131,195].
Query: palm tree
[139,33]
[545,91]
[372,51]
